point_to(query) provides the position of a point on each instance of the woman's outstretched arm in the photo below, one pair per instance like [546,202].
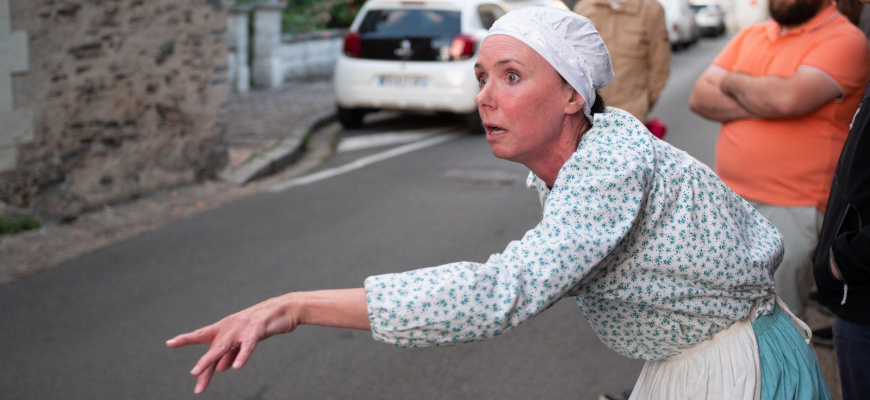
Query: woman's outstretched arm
[233,339]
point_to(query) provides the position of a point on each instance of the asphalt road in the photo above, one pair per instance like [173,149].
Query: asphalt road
[95,327]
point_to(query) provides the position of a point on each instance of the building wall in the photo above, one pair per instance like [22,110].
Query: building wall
[122,97]
[312,55]
[277,58]
[741,13]
[16,126]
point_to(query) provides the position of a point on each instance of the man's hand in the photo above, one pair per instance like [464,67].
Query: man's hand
[709,101]
[832,263]
[776,97]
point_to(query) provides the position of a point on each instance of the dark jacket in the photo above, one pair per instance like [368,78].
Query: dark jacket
[846,229]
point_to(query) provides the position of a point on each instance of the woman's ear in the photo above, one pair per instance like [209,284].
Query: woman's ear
[575,103]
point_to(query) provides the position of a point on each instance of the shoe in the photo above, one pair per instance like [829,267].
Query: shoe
[624,396]
[824,337]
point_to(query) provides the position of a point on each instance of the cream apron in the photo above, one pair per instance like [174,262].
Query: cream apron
[725,366]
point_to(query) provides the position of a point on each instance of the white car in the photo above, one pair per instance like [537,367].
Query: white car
[413,56]
[710,18]
[680,20]
[514,4]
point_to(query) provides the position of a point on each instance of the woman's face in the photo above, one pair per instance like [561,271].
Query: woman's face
[528,111]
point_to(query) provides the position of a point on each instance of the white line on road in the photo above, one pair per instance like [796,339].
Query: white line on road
[360,163]
[380,139]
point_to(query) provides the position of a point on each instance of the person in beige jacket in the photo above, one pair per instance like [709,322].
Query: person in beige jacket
[636,36]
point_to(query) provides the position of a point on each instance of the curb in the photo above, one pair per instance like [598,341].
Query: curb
[282,155]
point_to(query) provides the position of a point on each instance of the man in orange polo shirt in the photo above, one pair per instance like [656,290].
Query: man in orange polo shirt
[785,91]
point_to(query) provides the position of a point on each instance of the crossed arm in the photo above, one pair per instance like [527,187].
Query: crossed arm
[723,96]
[233,339]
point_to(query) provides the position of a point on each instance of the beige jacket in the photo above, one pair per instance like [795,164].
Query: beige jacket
[636,36]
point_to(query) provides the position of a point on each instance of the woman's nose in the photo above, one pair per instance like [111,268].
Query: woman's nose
[483,98]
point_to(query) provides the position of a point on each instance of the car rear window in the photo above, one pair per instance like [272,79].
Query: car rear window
[408,34]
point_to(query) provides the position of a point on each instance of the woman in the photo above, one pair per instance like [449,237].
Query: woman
[667,264]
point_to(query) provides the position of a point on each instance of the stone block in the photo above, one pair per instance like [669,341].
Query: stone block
[8,157]
[16,127]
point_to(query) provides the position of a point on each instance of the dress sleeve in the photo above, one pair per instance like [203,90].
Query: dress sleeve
[589,211]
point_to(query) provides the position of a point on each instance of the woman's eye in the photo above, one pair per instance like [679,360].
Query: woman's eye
[481,80]
[512,77]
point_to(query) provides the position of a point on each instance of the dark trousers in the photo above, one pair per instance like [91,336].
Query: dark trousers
[852,344]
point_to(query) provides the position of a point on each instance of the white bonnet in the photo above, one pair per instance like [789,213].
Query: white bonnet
[568,41]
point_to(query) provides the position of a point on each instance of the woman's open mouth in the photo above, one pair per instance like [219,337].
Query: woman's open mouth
[494,129]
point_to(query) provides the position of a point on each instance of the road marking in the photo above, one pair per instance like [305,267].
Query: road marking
[361,163]
[380,139]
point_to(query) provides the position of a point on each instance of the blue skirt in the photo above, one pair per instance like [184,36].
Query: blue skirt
[789,367]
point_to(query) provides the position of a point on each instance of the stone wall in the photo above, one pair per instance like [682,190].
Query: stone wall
[124,97]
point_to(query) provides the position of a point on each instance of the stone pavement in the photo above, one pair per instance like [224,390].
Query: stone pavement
[266,131]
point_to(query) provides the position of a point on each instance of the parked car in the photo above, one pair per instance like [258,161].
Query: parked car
[680,20]
[413,56]
[710,19]
[514,4]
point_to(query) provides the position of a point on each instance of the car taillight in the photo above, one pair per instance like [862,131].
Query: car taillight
[462,47]
[352,45]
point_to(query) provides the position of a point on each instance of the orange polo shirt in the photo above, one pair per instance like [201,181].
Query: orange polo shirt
[791,162]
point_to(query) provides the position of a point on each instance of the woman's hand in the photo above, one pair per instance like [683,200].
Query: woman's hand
[233,339]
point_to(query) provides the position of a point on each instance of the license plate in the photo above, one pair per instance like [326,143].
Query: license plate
[402,81]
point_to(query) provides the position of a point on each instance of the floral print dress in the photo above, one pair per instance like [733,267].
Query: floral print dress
[658,253]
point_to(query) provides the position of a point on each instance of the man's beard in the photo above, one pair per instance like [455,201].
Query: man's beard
[794,14]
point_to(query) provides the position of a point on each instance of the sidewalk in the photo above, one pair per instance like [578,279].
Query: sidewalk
[266,133]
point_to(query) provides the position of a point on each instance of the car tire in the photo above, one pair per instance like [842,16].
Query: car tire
[350,118]
[473,123]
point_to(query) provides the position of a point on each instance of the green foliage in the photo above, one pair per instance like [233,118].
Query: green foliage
[15,225]
[302,16]
[310,15]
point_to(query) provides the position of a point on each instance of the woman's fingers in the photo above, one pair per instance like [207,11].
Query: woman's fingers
[204,379]
[200,336]
[214,354]
[232,340]
[223,354]
[227,360]
[244,354]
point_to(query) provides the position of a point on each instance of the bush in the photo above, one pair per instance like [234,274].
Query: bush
[15,225]
[303,16]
